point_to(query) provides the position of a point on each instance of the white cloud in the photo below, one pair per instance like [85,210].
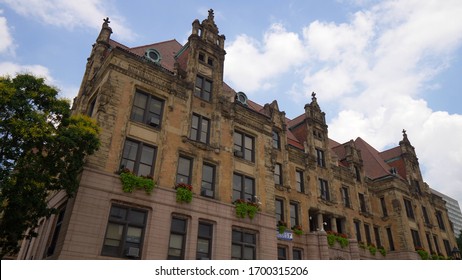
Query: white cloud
[6,40]
[252,66]
[73,14]
[375,68]
[12,69]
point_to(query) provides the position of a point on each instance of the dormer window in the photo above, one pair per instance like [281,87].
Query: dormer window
[210,61]
[241,98]
[153,55]
[202,57]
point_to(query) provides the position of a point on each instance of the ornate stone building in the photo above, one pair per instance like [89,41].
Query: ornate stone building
[166,113]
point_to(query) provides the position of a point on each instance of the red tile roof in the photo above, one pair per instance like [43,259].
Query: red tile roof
[374,165]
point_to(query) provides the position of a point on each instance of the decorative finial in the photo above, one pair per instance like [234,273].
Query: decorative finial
[313,96]
[404,132]
[106,20]
[210,17]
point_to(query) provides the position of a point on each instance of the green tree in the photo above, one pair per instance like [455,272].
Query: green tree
[42,150]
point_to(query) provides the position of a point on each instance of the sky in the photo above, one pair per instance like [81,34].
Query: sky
[377,67]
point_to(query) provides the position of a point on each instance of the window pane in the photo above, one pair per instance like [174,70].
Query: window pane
[130,150]
[137,114]
[249,238]
[205,230]
[133,235]
[178,225]
[156,106]
[248,142]
[207,86]
[176,242]
[237,140]
[147,155]
[236,252]
[113,235]
[140,100]
[195,121]
[136,217]
[144,170]
[202,245]
[118,213]
[248,253]
[237,236]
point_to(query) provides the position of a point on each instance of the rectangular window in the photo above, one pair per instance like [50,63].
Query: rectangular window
[278,174]
[58,223]
[409,210]
[243,245]
[416,238]
[425,215]
[437,245]
[320,158]
[282,253]
[357,174]
[208,180]
[367,230]
[204,241]
[324,189]
[276,140]
[138,157]
[203,88]
[429,241]
[124,232]
[147,109]
[378,241]
[384,207]
[447,247]
[358,229]
[279,205]
[183,174]
[176,244]
[439,218]
[297,254]
[300,184]
[200,129]
[345,196]
[390,239]
[243,187]
[294,221]
[362,203]
[417,187]
[244,146]
[91,107]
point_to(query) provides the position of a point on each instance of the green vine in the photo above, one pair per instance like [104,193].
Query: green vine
[246,208]
[341,238]
[130,182]
[183,192]
[297,229]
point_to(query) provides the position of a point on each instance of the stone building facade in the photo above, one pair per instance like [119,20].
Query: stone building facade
[166,113]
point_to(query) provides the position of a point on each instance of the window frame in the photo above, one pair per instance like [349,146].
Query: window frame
[362,203]
[188,176]
[246,153]
[212,183]
[276,140]
[408,207]
[320,157]
[181,233]
[344,190]
[199,89]
[138,157]
[299,181]
[146,118]
[199,131]
[278,174]
[294,213]
[243,194]
[299,251]
[440,220]
[282,252]
[324,189]
[208,238]
[383,205]
[279,216]
[120,250]
[242,243]
[416,238]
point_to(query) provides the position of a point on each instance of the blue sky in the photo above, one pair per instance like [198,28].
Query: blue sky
[377,66]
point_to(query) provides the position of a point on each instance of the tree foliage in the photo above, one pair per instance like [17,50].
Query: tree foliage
[459,240]
[42,149]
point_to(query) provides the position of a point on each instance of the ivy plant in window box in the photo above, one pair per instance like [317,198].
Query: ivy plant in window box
[282,226]
[297,229]
[183,192]
[341,238]
[246,208]
[130,181]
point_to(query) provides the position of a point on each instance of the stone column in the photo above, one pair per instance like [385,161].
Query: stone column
[333,224]
[320,222]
